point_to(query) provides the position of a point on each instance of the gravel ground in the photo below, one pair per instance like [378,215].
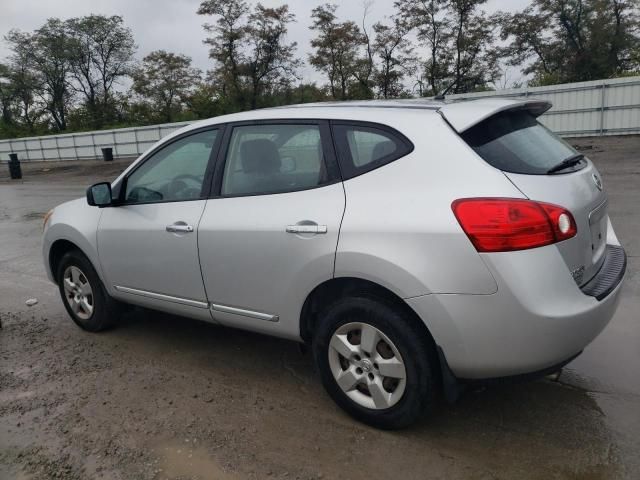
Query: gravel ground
[162,397]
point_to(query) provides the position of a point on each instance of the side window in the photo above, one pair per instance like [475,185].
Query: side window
[174,173]
[363,148]
[273,159]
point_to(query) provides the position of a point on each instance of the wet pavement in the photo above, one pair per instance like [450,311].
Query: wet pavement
[166,397]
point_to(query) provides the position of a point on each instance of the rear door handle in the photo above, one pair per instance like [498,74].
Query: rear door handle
[179,227]
[306,229]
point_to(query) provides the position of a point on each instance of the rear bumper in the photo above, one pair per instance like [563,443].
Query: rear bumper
[538,319]
[610,274]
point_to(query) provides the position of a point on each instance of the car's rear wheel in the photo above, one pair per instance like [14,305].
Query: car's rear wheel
[83,294]
[375,363]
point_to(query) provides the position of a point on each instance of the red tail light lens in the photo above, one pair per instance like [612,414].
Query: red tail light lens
[507,224]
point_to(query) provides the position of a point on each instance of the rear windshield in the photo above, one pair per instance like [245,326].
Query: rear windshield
[516,142]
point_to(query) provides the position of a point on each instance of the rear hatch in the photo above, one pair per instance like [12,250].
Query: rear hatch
[506,134]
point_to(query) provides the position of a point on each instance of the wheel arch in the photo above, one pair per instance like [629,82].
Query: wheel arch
[57,250]
[336,288]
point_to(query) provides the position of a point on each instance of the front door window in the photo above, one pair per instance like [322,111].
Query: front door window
[174,173]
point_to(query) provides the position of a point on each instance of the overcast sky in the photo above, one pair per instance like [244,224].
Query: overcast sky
[174,26]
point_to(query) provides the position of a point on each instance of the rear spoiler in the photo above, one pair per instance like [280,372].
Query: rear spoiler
[465,114]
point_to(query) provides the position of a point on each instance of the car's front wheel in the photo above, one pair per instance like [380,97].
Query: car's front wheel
[83,294]
[375,363]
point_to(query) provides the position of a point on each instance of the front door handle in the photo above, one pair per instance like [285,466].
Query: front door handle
[179,227]
[306,229]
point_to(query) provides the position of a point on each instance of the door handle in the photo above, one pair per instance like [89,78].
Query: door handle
[179,228]
[306,229]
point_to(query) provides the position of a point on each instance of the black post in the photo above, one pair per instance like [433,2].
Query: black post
[14,167]
[107,154]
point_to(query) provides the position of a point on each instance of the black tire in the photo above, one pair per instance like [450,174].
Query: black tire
[421,387]
[106,310]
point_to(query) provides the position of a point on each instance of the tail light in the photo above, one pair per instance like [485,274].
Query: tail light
[507,224]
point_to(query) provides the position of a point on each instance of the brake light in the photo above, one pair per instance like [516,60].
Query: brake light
[507,224]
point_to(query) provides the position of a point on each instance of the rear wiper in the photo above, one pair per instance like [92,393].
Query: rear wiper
[566,163]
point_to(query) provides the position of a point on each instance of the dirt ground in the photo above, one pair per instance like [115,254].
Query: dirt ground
[162,397]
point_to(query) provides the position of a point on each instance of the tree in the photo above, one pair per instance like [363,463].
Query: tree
[336,49]
[365,65]
[6,96]
[205,100]
[48,52]
[271,61]
[23,84]
[249,47]
[101,52]
[23,88]
[433,29]
[614,30]
[573,40]
[166,80]
[460,44]
[475,62]
[394,50]
[226,42]
[527,31]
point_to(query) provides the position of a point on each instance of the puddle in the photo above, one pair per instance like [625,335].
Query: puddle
[6,397]
[187,460]
[33,215]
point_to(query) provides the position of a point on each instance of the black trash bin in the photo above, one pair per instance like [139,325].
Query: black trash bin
[14,167]
[107,154]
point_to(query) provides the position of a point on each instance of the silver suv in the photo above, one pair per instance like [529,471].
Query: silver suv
[417,246]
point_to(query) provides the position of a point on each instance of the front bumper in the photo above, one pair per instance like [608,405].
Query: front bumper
[537,319]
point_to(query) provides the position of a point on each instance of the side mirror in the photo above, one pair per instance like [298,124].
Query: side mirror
[99,195]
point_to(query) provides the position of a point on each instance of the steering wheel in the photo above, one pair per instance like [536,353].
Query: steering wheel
[179,187]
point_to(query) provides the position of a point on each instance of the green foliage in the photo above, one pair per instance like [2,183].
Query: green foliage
[459,40]
[336,51]
[252,57]
[560,41]
[70,75]
[165,81]
[100,53]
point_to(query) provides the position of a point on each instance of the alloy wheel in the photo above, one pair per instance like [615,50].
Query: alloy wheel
[367,366]
[78,292]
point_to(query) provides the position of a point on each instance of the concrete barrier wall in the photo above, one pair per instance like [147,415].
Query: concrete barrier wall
[585,109]
[606,107]
[126,142]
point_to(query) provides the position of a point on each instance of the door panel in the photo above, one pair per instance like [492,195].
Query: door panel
[148,245]
[271,235]
[137,252]
[251,262]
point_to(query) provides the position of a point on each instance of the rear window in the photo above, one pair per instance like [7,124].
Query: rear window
[516,142]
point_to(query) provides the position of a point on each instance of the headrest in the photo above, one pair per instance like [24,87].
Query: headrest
[382,149]
[260,156]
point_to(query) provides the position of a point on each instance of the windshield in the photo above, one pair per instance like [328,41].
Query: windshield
[516,142]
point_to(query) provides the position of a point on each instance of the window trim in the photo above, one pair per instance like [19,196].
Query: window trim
[208,173]
[329,156]
[345,160]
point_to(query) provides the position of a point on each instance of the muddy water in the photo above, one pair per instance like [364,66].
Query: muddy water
[165,397]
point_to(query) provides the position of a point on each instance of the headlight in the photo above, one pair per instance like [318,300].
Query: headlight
[46,219]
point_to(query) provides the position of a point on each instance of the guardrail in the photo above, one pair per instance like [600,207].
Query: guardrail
[607,107]
[596,108]
[126,142]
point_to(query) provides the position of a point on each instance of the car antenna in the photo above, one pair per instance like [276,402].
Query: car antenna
[440,95]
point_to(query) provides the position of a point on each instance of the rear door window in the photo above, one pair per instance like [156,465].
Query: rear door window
[516,142]
[362,148]
[274,158]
